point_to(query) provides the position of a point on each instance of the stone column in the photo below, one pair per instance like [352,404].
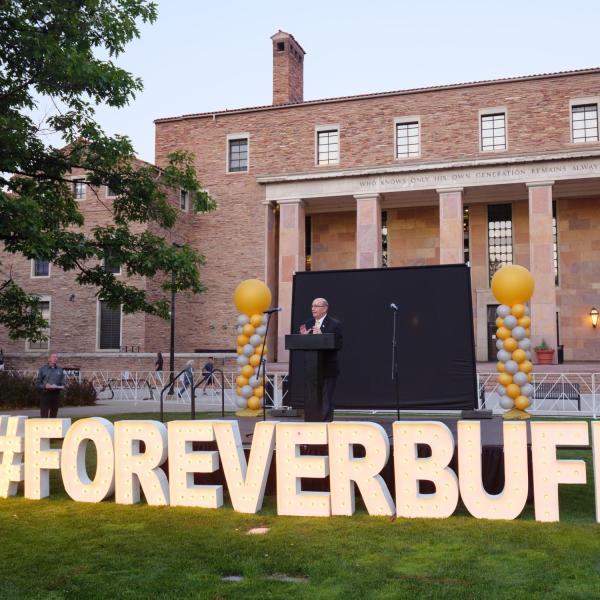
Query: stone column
[451,226]
[541,260]
[291,259]
[271,270]
[368,231]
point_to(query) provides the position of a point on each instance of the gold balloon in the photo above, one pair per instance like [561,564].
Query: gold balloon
[499,322]
[513,390]
[504,379]
[500,367]
[253,403]
[503,333]
[242,340]
[240,349]
[512,284]
[247,371]
[238,390]
[518,310]
[519,355]
[526,366]
[259,391]
[241,381]
[529,377]
[259,349]
[252,297]
[256,320]
[521,402]
[527,332]
[524,321]
[510,344]
[248,330]
[255,360]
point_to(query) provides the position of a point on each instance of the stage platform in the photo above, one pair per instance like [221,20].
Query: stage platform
[492,455]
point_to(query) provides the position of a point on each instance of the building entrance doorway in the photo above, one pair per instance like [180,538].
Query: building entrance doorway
[491,329]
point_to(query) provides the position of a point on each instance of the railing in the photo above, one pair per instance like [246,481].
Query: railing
[576,394]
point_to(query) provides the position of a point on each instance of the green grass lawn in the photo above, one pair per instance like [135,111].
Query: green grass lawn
[57,548]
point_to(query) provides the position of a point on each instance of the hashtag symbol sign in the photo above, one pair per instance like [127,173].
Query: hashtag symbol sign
[12,444]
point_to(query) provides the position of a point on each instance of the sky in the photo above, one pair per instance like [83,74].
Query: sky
[202,56]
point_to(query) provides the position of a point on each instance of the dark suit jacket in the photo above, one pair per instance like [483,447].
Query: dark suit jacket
[329,325]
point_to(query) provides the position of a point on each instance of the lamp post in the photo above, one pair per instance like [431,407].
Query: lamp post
[172,343]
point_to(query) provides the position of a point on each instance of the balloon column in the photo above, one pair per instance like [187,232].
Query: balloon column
[512,285]
[251,298]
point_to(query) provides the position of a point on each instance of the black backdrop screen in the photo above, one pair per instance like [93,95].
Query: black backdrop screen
[434,332]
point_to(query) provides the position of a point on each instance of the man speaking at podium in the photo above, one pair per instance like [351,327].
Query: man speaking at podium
[321,322]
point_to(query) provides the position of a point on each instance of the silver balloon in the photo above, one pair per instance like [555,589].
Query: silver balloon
[261,330]
[243,319]
[500,344]
[520,378]
[525,343]
[265,318]
[248,350]
[527,310]
[506,402]
[239,330]
[242,360]
[503,311]
[240,401]
[518,333]
[503,356]
[510,322]
[511,367]
[247,391]
[501,390]
[254,381]
[528,354]
[255,339]
[527,390]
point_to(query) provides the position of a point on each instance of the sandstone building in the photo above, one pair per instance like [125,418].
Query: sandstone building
[492,172]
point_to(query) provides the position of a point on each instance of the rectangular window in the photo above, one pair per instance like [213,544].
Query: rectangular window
[500,240]
[45,344]
[407,139]
[110,193]
[40,268]
[78,189]
[238,155]
[493,132]
[584,123]
[183,200]
[109,327]
[111,263]
[328,147]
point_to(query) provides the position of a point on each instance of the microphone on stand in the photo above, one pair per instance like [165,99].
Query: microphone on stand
[394,306]
[272,310]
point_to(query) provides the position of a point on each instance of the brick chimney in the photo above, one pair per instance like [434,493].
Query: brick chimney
[288,69]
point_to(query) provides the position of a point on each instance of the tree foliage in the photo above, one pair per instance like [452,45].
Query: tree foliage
[64,52]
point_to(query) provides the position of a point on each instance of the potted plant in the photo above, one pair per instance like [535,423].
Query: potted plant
[544,353]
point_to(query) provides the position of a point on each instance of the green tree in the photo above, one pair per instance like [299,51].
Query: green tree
[63,51]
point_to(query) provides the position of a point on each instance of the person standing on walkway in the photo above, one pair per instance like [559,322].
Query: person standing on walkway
[207,373]
[50,383]
[188,377]
[159,367]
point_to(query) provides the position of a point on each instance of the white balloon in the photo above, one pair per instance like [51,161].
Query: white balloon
[506,402]
[501,390]
[247,391]
[500,344]
[265,318]
[527,390]
[503,311]
[518,333]
[254,381]
[504,356]
[248,350]
[511,367]
[243,319]
[525,343]
[510,322]
[240,401]
[242,360]
[527,310]
[528,354]
[520,378]
[255,339]
[239,330]
[261,330]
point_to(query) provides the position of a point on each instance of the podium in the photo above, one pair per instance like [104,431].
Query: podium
[314,349]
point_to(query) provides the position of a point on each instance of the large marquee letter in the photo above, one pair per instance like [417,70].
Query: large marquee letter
[246,482]
[291,467]
[509,503]
[74,474]
[12,448]
[409,470]
[134,468]
[347,470]
[548,472]
[596,453]
[184,462]
[39,458]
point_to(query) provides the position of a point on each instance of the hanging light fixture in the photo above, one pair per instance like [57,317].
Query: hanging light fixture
[594,316]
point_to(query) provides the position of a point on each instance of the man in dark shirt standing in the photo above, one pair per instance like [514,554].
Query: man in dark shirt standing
[50,382]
